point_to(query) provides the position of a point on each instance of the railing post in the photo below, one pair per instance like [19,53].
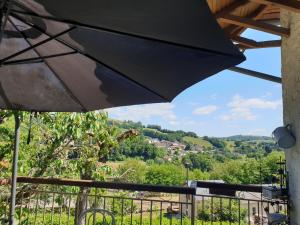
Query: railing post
[12,209]
[193,213]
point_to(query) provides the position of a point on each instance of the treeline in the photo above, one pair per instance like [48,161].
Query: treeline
[202,167]
[79,146]
[247,138]
[243,144]
[217,143]
[136,147]
[155,131]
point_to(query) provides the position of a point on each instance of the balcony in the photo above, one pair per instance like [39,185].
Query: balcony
[60,201]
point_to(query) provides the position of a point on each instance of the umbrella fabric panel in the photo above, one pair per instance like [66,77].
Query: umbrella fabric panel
[163,68]
[127,64]
[98,87]
[90,84]
[30,87]
[14,42]
[34,88]
[184,22]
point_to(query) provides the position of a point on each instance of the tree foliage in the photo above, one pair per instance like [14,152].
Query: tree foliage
[132,171]
[167,174]
[137,147]
[201,161]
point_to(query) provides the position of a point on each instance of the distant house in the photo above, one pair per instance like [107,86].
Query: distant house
[169,145]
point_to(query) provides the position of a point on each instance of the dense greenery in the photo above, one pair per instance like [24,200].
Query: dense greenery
[204,162]
[82,146]
[79,145]
[163,134]
[228,212]
[126,220]
[137,147]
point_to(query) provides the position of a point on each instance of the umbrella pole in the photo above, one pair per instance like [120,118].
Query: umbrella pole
[14,170]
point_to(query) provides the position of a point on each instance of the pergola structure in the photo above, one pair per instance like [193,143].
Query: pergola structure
[235,16]
[282,18]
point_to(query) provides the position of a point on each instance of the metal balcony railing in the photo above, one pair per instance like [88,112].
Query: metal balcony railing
[57,201]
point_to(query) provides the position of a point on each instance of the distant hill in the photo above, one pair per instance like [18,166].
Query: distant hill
[190,138]
[197,141]
[247,138]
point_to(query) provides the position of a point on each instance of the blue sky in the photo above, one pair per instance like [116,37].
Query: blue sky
[222,105]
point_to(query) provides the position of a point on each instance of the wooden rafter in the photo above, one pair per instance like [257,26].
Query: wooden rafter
[245,41]
[250,23]
[271,16]
[292,5]
[236,30]
[269,44]
[256,15]
[249,43]
[230,8]
[263,44]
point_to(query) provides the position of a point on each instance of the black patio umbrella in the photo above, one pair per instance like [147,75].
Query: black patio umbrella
[78,56]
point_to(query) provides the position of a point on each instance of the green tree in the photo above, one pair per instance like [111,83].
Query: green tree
[201,161]
[197,174]
[247,171]
[140,147]
[132,171]
[270,168]
[56,135]
[166,174]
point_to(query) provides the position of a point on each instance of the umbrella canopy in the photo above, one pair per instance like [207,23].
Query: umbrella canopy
[80,55]
[94,54]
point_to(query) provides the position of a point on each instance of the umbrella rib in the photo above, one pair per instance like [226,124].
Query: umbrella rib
[6,13]
[36,59]
[75,23]
[35,45]
[92,58]
[65,86]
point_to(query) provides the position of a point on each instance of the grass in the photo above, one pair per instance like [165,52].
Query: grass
[64,219]
[198,141]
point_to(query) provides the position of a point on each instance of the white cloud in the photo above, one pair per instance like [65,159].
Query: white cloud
[174,123]
[213,96]
[241,108]
[254,103]
[239,113]
[258,131]
[205,110]
[141,112]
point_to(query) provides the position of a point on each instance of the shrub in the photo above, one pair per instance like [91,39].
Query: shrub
[211,210]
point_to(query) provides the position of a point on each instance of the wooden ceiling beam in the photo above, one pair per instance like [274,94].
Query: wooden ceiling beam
[250,23]
[249,43]
[245,41]
[230,8]
[269,44]
[271,16]
[262,44]
[292,5]
[237,30]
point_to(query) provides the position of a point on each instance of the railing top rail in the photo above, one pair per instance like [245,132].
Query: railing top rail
[234,187]
[108,185]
